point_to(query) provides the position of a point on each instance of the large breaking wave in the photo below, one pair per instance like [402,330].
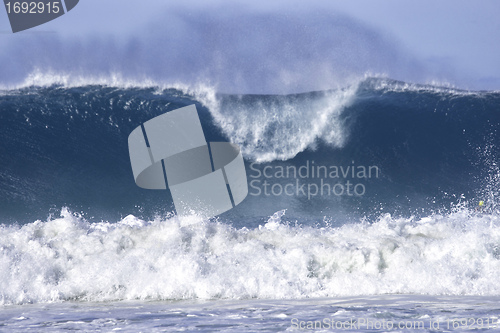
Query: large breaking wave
[415,230]
[65,144]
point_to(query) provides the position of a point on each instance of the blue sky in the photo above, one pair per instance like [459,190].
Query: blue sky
[445,42]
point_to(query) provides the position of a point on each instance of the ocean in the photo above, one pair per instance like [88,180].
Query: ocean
[362,212]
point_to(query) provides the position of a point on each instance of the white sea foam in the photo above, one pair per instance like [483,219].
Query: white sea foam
[287,126]
[69,258]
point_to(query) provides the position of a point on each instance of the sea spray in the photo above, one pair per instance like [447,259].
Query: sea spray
[71,258]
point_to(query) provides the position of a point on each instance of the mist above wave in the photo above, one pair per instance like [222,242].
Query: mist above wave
[236,50]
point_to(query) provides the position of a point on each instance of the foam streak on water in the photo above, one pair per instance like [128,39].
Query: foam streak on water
[364,313]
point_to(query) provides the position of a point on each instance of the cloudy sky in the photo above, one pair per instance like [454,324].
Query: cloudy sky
[266,46]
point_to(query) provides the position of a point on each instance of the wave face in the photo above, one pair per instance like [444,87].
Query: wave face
[69,258]
[432,148]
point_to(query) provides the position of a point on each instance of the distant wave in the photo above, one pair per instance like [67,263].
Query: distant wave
[69,258]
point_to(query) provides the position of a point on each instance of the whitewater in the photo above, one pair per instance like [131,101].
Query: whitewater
[71,259]
[176,273]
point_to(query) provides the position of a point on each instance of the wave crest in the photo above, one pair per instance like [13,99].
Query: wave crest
[280,127]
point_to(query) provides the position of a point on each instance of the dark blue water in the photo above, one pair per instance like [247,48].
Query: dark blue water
[434,148]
